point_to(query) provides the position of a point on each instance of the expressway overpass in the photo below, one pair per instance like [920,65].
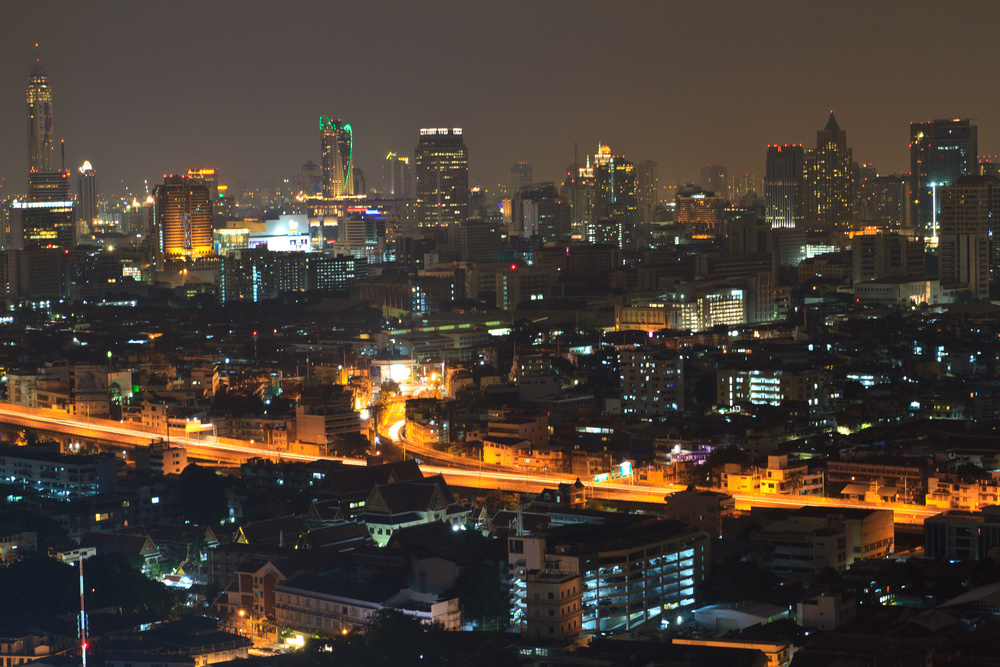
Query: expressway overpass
[457,471]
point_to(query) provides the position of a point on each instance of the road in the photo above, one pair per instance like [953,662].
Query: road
[457,471]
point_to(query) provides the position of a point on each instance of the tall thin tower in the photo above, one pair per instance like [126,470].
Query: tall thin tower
[41,147]
[337,142]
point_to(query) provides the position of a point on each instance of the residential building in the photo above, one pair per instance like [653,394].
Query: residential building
[652,381]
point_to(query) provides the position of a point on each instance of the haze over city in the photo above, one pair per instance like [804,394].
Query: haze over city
[143,89]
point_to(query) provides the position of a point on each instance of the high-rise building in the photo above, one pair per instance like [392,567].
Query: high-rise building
[828,179]
[647,184]
[783,185]
[208,177]
[616,189]
[580,190]
[337,143]
[310,181]
[969,211]
[541,212]
[47,219]
[41,146]
[521,174]
[941,151]
[442,168]
[702,210]
[182,219]
[715,178]
[88,194]
[396,177]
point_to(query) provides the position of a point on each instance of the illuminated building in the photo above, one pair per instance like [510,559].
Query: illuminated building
[541,212]
[783,185]
[88,194]
[208,177]
[40,142]
[517,283]
[48,217]
[989,165]
[715,178]
[521,174]
[647,186]
[940,152]
[635,574]
[652,381]
[770,386]
[442,169]
[828,201]
[337,144]
[702,210]
[580,190]
[396,177]
[616,189]
[182,218]
[262,275]
[968,209]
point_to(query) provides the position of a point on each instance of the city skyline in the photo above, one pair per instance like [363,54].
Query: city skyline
[250,110]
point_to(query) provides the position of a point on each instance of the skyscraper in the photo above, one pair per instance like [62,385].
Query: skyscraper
[182,219]
[715,178]
[648,185]
[616,189]
[940,152]
[442,168]
[48,217]
[396,177]
[337,143]
[828,179]
[968,216]
[521,174]
[783,185]
[88,194]
[40,143]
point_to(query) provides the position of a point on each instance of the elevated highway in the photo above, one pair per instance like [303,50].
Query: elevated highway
[457,471]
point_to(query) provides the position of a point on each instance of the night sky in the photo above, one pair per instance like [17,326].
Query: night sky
[147,88]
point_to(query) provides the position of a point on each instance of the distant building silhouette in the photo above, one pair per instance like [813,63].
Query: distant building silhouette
[715,178]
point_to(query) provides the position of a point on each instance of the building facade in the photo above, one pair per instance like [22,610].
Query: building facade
[442,171]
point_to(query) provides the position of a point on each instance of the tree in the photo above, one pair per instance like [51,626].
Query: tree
[497,500]
[480,592]
[203,495]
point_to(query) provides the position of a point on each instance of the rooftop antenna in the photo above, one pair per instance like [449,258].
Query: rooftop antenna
[36,53]
[62,148]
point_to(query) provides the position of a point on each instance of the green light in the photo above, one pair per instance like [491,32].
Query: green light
[350,154]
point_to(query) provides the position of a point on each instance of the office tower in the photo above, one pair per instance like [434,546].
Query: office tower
[47,219]
[828,179]
[41,145]
[396,177]
[783,185]
[876,256]
[182,219]
[989,165]
[969,210]
[474,241]
[310,181]
[580,190]
[648,184]
[543,213]
[87,186]
[442,162]
[652,381]
[521,174]
[360,182]
[208,177]
[941,151]
[337,144]
[715,178]
[616,189]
